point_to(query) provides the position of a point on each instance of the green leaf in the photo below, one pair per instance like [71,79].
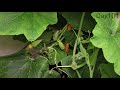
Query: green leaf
[31,24]
[107,36]
[70,72]
[20,67]
[84,71]
[51,74]
[70,37]
[60,54]
[35,43]
[90,46]
[46,36]
[4,61]
[74,19]
[61,45]
[55,35]
[107,71]
[93,57]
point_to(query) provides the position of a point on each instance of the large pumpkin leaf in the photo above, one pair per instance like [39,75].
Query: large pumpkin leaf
[28,68]
[4,61]
[107,36]
[19,67]
[74,19]
[31,24]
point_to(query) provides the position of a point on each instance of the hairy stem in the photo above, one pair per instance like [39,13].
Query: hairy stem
[78,37]
[78,73]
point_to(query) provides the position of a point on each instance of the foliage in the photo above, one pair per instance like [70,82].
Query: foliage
[59,45]
[31,24]
[107,36]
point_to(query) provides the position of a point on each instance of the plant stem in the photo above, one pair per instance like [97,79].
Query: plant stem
[64,66]
[95,53]
[74,51]
[63,71]
[85,41]
[81,65]
[78,73]
[76,43]
[63,30]
[54,44]
[81,23]
[61,38]
[82,48]
[78,36]
[90,69]
[55,55]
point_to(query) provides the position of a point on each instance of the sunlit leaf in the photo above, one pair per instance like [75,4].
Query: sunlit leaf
[31,24]
[107,36]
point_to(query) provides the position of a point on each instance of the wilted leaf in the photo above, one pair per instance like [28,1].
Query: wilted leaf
[9,46]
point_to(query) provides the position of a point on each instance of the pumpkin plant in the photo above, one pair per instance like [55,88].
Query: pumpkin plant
[59,45]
